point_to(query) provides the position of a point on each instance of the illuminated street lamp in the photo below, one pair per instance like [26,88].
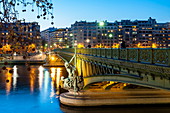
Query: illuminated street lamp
[71,34]
[88,40]
[110,36]
[101,23]
[88,45]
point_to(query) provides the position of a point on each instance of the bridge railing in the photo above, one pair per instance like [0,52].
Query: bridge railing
[143,55]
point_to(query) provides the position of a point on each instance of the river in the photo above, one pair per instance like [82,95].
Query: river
[34,91]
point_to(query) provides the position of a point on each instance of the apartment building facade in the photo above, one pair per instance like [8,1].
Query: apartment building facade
[136,34]
[20,35]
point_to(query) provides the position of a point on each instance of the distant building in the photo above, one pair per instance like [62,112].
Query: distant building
[143,33]
[20,34]
[47,35]
[134,34]
[84,33]
[61,38]
[57,37]
[92,33]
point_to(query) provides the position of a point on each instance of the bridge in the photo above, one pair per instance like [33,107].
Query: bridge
[144,67]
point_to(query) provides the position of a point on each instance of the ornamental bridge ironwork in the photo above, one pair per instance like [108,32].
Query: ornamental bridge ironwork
[141,66]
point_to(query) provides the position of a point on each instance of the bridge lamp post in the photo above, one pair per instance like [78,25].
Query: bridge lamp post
[88,40]
[75,48]
[71,35]
[101,24]
[110,36]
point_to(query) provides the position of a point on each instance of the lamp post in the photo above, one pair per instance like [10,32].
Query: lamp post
[101,24]
[110,36]
[88,40]
[75,49]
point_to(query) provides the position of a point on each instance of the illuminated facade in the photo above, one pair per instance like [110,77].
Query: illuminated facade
[61,38]
[143,33]
[84,33]
[135,34]
[94,34]
[47,35]
[20,34]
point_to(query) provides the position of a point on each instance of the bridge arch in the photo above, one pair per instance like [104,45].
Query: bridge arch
[136,80]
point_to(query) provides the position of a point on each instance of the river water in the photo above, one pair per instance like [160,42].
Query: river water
[34,91]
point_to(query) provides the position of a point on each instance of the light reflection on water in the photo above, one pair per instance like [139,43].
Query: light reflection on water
[29,91]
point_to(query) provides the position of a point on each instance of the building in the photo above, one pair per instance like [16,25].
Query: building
[93,34]
[61,38]
[143,33]
[134,34]
[20,35]
[47,35]
[57,37]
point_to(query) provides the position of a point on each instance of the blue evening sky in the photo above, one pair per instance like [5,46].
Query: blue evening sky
[66,12]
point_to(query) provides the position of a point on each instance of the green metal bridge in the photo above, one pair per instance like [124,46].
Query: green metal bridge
[146,67]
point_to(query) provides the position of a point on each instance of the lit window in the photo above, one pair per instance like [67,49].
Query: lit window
[134,29]
[134,39]
[127,32]
[134,32]
[120,35]
[94,38]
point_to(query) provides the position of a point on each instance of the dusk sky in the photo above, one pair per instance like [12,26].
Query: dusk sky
[66,12]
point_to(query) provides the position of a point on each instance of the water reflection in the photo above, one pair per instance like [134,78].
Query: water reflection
[15,76]
[33,91]
[8,81]
[53,73]
[41,73]
[32,79]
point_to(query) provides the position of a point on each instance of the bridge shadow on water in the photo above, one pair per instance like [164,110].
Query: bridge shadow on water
[145,108]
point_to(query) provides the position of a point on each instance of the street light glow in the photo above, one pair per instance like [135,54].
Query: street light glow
[110,35]
[71,34]
[88,40]
[101,23]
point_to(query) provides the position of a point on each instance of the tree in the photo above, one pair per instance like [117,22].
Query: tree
[9,21]
[9,11]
